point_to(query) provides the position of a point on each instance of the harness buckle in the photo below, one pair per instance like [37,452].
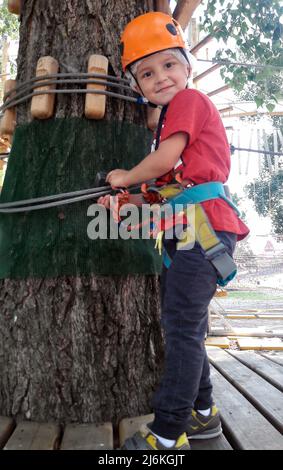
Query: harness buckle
[222,262]
[216,250]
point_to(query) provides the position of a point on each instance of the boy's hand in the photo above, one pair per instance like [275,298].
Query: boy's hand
[118,178]
[105,201]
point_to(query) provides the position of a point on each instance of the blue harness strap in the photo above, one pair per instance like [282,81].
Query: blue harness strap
[201,193]
[217,254]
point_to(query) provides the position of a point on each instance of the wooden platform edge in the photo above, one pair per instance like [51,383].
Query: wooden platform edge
[7,426]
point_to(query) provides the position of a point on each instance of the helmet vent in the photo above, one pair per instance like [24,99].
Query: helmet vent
[171,28]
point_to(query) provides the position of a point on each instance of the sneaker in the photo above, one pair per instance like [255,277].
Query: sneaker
[204,427]
[145,440]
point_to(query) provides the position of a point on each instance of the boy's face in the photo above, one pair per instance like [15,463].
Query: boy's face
[161,76]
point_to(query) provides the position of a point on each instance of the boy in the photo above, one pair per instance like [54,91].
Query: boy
[191,140]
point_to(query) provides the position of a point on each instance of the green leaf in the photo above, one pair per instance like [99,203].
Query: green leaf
[270,106]
[258,101]
[255,27]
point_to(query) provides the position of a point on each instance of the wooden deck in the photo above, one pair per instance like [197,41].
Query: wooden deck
[248,389]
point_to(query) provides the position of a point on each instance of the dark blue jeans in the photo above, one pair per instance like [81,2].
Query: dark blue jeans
[187,288]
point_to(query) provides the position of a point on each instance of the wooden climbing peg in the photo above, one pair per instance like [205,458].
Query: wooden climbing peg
[95,103]
[42,106]
[14,6]
[8,121]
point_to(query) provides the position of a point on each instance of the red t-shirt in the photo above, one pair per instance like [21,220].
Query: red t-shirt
[206,156]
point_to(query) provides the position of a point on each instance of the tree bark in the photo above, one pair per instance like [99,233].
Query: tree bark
[70,31]
[82,348]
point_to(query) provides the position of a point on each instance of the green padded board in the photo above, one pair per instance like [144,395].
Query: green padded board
[63,155]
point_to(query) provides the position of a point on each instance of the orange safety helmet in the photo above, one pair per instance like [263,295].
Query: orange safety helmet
[150,33]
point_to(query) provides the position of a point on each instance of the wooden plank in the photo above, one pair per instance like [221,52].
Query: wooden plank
[217,443]
[201,44]
[253,113]
[271,372]
[87,437]
[223,110]
[242,422]
[30,435]
[271,316]
[244,310]
[220,342]
[242,316]
[196,79]
[274,310]
[266,398]
[253,316]
[7,425]
[128,426]
[260,332]
[268,344]
[274,356]
[218,90]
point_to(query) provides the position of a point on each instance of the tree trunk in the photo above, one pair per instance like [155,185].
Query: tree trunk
[80,337]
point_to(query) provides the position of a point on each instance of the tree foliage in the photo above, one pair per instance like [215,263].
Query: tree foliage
[267,190]
[9,28]
[9,24]
[254,28]
[237,200]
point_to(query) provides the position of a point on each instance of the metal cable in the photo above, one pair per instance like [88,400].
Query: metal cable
[70,200]
[242,149]
[138,100]
[53,197]
[18,93]
[64,75]
[10,103]
[27,205]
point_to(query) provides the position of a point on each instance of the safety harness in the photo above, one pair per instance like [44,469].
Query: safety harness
[187,202]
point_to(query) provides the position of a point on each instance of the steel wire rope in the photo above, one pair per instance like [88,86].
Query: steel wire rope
[53,197]
[83,91]
[16,100]
[65,75]
[31,84]
[60,199]
[48,205]
[265,152]
[10,103]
